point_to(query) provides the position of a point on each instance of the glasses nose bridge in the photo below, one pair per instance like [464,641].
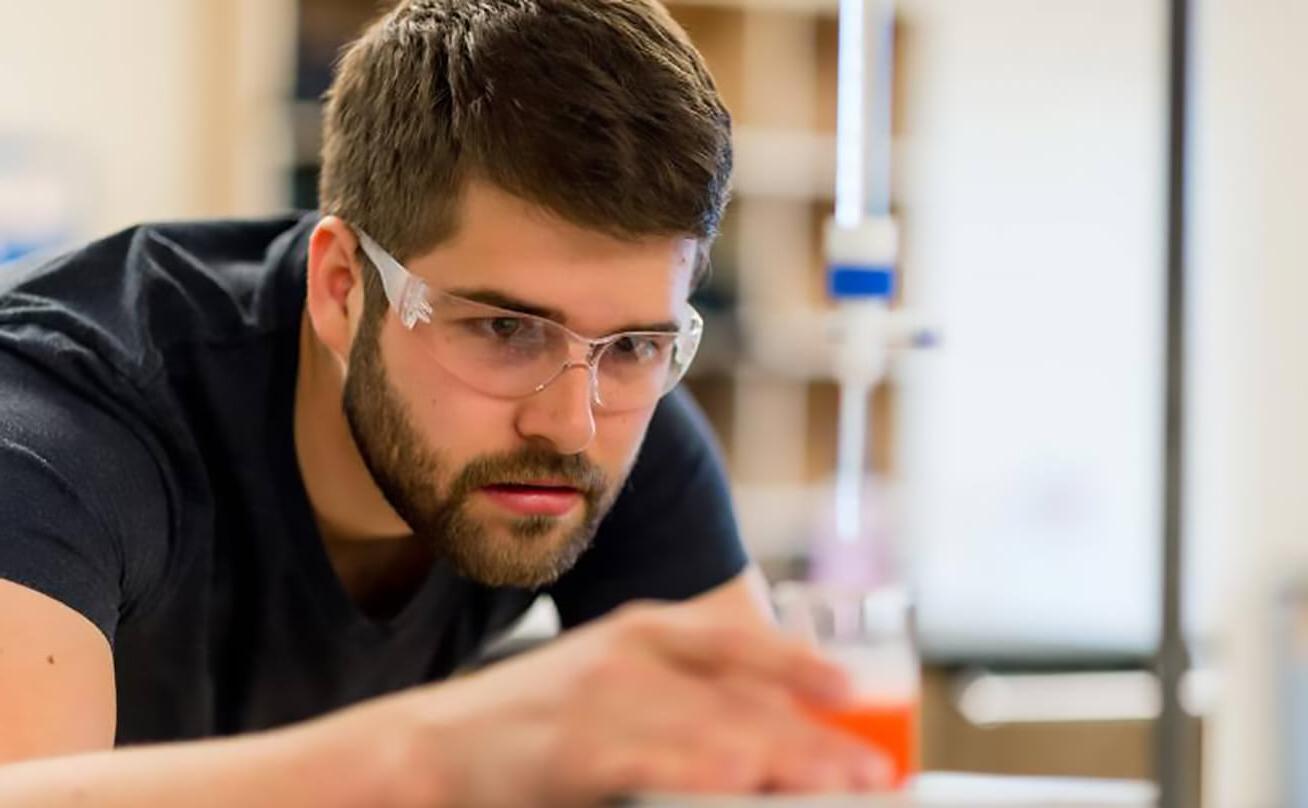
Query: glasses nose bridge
[587,351]
[587,358]
[592,374]
[586,354]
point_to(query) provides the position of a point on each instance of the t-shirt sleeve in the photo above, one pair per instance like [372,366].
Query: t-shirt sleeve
[671,534]
[82,518]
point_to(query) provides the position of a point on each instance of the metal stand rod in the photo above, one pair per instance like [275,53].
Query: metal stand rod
[1174,747]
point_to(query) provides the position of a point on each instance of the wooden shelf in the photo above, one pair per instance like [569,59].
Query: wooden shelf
[791,164]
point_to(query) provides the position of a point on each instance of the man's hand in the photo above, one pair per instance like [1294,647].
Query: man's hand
[654,698]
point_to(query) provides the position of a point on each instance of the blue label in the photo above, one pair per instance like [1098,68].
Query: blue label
[844,280]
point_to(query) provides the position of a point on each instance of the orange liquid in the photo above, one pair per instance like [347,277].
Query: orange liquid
[891,728]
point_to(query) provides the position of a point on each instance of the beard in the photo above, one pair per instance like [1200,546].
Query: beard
[531,551]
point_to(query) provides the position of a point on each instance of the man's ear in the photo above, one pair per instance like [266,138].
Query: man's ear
[334,298]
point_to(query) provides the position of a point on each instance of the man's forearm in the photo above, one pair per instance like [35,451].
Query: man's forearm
[302,766]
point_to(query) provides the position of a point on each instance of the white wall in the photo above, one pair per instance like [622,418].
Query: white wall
[155,108]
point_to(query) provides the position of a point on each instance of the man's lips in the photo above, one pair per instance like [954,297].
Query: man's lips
[538,482]
[534,498]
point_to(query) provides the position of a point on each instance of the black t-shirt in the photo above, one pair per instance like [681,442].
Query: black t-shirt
[148,479]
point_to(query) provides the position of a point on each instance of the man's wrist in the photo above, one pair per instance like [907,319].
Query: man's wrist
[371,755]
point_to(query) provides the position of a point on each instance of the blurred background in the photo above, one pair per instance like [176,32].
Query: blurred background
[1018,461]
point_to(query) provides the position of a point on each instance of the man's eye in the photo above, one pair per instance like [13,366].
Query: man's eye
[504,327]
[637,349]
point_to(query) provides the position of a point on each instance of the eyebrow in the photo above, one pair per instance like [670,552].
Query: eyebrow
[494,297]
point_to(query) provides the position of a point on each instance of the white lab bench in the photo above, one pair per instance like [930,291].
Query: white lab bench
[946,790]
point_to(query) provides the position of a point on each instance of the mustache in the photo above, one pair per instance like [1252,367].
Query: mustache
[528,464]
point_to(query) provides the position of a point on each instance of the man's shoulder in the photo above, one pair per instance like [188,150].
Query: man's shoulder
[97,345]
[75,435]
[184,278]
[84,505]
[116,307]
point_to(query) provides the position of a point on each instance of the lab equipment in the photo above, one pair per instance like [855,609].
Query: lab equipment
[862,250]
[869,634]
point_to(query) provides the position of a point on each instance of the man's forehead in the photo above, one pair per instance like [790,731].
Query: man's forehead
[492,221]
[508,253]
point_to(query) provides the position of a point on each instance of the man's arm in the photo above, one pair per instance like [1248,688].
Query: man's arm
[284,768]
[654,698]
[57,717]
[56,678]
[57,704]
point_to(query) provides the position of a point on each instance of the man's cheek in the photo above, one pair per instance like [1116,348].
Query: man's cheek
[621,445]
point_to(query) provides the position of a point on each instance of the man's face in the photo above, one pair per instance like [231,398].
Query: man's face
[510,491]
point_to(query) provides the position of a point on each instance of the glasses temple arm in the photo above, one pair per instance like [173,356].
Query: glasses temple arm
[406,293]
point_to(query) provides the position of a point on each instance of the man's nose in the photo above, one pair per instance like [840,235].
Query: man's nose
[562,413]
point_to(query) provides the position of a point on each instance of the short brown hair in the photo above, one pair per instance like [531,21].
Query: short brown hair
[600,111]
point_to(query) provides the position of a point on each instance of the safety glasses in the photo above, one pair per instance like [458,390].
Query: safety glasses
[511,354]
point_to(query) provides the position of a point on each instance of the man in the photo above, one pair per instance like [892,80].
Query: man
[266,481]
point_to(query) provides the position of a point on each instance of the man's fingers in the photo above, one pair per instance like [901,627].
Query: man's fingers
[713,648]
[806,754]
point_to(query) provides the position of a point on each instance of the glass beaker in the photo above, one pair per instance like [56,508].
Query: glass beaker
[869,633]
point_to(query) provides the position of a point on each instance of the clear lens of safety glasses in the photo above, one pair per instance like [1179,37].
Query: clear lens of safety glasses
[510,354]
